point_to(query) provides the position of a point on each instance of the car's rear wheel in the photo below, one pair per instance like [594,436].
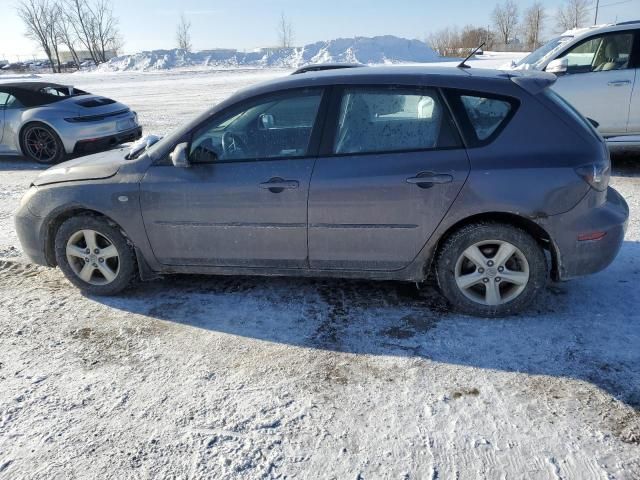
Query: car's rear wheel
[94,255]
[491,269]
[41,144]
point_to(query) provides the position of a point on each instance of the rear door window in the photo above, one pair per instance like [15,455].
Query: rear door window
[383,119]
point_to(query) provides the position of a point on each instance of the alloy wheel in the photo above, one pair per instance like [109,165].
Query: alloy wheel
[492,272]
[41,144]
[93,257]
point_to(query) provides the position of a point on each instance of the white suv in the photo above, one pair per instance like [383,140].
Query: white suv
[598,72]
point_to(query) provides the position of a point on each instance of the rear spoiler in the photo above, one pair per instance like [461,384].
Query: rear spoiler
[533,82]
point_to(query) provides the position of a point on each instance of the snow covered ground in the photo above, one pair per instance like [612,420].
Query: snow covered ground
[269,378]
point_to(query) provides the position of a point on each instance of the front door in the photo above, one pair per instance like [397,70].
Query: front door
[243,202]
[600,79]
[396,167]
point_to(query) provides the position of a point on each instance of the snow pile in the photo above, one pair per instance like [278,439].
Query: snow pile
[376,50]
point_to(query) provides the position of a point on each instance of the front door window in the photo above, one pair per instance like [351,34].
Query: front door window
[601,54]
[276,127]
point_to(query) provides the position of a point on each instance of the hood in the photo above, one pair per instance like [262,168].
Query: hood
[93,167]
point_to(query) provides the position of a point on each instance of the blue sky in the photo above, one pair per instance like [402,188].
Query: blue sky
[246,24]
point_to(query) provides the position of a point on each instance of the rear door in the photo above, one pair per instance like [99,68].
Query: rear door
[393,165]
[600,79]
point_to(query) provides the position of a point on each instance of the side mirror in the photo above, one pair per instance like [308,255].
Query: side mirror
[179,156]
[558,66]
[266,121]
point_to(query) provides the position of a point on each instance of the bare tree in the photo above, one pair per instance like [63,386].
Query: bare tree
[473,37]
[95,26]
[505,18]
[285,31]
[573,14]
[77,11]
[183,33]
[533,25]
[446,41]
[105,28]
[51,15]
[37,19]
[65,34]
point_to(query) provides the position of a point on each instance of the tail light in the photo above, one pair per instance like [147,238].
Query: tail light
[596,174]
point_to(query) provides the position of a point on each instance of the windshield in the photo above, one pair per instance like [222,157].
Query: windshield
[535,59]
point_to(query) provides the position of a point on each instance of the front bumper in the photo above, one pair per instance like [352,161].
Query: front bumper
[93,145]
[578,258]
[29,230]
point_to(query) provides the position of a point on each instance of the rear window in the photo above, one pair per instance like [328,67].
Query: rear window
[486,114]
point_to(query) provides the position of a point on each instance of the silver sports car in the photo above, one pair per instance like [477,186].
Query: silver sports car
[46,122]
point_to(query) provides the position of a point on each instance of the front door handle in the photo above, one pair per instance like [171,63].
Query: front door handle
[279,185]
[429,179]
[619,83]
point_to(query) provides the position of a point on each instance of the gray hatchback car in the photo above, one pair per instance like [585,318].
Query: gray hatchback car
[485,179]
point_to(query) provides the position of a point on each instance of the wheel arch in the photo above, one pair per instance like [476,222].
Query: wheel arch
[53,224]
[38,121]
[532,228]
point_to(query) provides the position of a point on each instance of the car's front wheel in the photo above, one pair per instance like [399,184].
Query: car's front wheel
[94,255]
[491,269]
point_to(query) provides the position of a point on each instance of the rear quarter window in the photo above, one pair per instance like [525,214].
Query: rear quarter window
[482,116]
[486,114]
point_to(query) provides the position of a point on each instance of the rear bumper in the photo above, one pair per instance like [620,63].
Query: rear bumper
[578,258]
[103,143]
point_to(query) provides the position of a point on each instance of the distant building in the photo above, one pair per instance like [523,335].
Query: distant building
[83,55]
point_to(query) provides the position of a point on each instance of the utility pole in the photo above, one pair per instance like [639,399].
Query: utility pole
[597,8]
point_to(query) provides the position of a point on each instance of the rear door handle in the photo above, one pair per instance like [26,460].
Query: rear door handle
[619,83]
[279,185]
[428,179]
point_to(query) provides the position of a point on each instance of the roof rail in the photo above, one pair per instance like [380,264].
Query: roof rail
[629,22]
[319,67]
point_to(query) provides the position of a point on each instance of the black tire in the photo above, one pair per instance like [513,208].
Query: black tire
[60,152]
[452,250]
[126,260]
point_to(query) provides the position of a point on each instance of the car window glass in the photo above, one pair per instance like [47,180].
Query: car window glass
[12,102]
[3,99]
[486,114]
[278,126]
[601,54]
[388,120]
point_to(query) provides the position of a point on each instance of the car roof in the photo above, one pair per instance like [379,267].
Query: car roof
[470,79]
[602,28]
[31,86]
[30,94]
